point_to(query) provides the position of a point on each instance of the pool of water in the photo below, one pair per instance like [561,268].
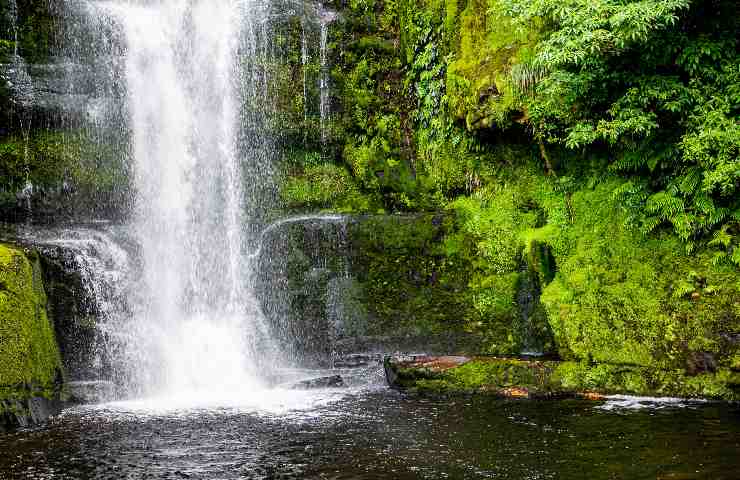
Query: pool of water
[376,433]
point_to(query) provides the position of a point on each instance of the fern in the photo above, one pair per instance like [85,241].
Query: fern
[682,289]
[690,181]
[721,238]
[525,76]
[719,258]
[649,224]
[665,204]
[735,257]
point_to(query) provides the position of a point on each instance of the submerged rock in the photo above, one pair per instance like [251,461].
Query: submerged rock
[331,381]
[26,410]
[95,391]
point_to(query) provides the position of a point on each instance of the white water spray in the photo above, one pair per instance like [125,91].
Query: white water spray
[195,317]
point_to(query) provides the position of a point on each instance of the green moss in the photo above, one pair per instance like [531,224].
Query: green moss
[499,376]
[619,297]
[495,375]
[478,79]
[28,349]
[410,286]
[326,185]
[51,159]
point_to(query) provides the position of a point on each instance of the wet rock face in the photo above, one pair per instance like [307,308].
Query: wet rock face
[303,283]
[700,362]
[78,268]
[22,413]
[91,391]
[58,94]
[335,286]
[71,310]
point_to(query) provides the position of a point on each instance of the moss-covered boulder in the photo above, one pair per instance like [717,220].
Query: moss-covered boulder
[532,378]
[30,363]
[621,297]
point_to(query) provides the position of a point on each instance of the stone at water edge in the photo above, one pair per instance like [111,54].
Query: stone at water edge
[96,391]
[331,381]
[428,364]
[551,379]
[357,360]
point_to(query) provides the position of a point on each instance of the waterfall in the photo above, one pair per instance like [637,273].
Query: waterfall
[326,18]
[13,17]
[304,65]
[19,81]
[193,89]
[99,256]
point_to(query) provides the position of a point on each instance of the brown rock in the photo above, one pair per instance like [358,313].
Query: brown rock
[515,392]
[592,396]
[433,363]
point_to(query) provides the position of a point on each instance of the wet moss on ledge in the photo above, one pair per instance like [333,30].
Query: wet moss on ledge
[70,174]
[527,378]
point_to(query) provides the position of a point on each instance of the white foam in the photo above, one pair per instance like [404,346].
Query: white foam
[631,402]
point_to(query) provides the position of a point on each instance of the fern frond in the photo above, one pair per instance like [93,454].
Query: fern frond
[629,161]
[704,203]
[649,224]
[682,289]
[719,258]
[721,237]
[735,257]
[526,76]
[689,181]
[717,216]
[665,204]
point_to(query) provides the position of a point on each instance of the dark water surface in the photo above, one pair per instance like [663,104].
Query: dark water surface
[380,434]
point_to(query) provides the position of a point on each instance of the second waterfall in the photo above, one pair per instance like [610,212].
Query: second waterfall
[193,102]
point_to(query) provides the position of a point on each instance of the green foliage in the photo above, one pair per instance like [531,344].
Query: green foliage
[491,220]
[584,29]
[635,240]
[326,185]
[655,81]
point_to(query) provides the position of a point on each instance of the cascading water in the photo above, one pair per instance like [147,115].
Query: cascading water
[98,258]
[326,18]
[196,323]
[13,21]
[19,82]
[304,65]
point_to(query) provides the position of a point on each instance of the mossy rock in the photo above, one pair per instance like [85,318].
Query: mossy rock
[30,363]
[531,378]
